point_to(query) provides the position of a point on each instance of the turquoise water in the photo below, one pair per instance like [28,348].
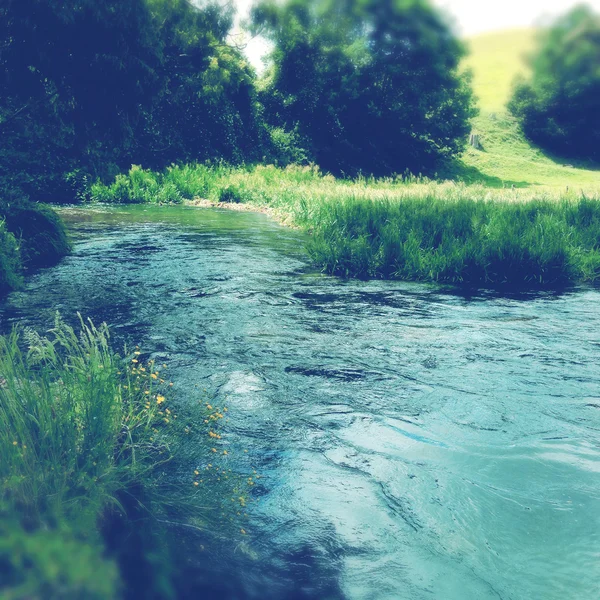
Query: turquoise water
[414,443]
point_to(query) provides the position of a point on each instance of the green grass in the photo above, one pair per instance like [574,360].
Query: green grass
[461,241]
[416,230]
[84,441]
[496,59]
[507,158]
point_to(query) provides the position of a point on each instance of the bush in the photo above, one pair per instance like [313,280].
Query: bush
[558,106]
[287,148]
[41,233]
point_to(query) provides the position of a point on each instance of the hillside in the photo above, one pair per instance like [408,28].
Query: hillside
[506,157]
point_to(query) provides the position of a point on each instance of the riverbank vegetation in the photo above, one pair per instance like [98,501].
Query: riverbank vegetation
[401,229]
[10,262]
[85,440]
[31,236]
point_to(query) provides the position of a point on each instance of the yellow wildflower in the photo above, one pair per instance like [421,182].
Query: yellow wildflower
[195,483]
[160,399]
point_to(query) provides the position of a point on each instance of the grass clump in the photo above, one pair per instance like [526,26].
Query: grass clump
[84,441]
[487,242]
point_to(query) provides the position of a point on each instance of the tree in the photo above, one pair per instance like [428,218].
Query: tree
[89,87]
[559,106]
[207,108]
[74,76]
[369,85]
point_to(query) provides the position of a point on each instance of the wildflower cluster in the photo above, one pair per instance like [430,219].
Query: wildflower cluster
[146,381]
[213,474]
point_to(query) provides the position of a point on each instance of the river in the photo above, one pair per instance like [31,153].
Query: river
[414,442]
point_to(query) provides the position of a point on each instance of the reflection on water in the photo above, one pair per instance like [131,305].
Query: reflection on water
[414,444]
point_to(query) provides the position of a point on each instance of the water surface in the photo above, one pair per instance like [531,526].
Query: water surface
[414,444]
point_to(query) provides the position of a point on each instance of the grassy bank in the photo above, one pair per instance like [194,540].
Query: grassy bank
[398,229]
[506,157]
[84,445]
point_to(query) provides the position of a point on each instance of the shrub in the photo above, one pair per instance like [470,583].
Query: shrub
[41,233]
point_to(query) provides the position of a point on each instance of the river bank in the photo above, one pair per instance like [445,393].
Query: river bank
[399,229]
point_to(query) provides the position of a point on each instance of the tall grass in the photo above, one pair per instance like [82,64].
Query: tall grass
[414,229]
[84,443]
[461,241]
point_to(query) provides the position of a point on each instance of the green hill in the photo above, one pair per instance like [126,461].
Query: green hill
[506,157]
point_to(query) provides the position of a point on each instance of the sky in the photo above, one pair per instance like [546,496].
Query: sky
[470,17]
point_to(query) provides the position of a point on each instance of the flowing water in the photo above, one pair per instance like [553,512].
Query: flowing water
[414,443]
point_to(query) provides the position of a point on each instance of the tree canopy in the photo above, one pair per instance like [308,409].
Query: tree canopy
[368,85]
[93,86]
[559,105]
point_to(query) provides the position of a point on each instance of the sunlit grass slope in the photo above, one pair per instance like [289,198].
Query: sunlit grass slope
[506,157]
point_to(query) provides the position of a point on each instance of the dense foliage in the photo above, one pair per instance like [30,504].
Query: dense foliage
[90,87]
[366,85]
[559,107]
